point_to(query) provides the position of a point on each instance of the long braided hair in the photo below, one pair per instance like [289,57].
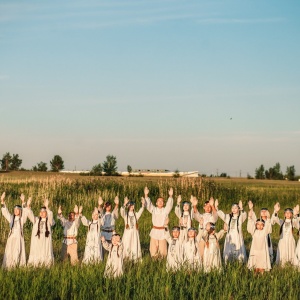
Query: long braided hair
[281,227]
[47,232]
[237,221]
[127,216]
[13,222]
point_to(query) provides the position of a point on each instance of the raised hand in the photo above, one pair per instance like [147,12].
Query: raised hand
[29,202]
[100,201]
[268,214]
[59,210]
[146,191]
[80,209]
[171,192]
[194,201]
[46,203]
[76,209]
[179,200]
[296,210]
[211,201]
[277,207]
[116,200]
[143,201]
[22,197]
[126,200]
[2,198]
[250,205]
[241,205]
[216,203]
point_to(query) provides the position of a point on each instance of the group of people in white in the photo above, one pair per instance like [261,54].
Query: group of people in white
[188,247]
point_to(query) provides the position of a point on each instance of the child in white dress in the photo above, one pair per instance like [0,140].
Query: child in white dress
[131,237]
[191,250]
[184,216]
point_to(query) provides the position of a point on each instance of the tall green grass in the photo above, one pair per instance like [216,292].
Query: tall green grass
[149,279]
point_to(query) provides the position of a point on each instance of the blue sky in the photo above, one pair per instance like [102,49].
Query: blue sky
[155,83]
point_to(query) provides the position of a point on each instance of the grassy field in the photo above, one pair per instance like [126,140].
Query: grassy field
[149,279]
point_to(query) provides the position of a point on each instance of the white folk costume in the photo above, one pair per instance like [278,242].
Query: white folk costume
[93,252]
[286,245]
[131,237]
[212,254]
[234,247]
[108,220]
[191,253]
[69,246]
[207,217]
[41,249]
[259,256]
[158,245]
[175,251]
[14,254]
[114,264]
[185,220]
[270,244]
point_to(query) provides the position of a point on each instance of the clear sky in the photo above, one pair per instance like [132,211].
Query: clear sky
[194,85]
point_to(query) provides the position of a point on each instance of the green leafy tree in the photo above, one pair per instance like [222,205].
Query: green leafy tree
[291,173]
[260,172]
[129,169]
[5,161]
[57,163]
[40,167]
[15,162]
[110,165]
[274,172]
[97,170]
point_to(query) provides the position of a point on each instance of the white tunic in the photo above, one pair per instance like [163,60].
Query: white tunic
[234,247]
[114,264]
[41,249]
[131,237]
[212,255]
[207,217]
[286,245]
[70,229]
[159,216]
[185,221]
[259,256]
[93,247]
[14,254]
[191,253]
[108,220]
[175,252]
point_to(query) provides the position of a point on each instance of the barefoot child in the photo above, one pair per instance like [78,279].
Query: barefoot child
[41,249]
[259,258]
[184,217]
[14,254]
[158,244]
[234,247]
[131,237]
[114,264]
[93,248]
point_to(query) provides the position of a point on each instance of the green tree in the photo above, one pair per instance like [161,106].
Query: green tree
[5,161]
[260,172]
[110,165]
[176,174]
[40,167]
[57,164]
[97,170]
[290,173]
[129,169]
[15,162]
[274,172]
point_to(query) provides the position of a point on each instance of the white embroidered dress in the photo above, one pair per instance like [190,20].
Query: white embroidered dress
[185,221]
[114,264]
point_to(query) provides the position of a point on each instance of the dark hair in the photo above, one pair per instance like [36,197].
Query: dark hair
[237,222]
[47,232]
[136,221]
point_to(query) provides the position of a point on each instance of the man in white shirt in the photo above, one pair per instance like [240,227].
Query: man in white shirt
[158,243]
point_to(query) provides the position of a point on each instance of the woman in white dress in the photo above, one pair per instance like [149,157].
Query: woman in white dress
[184,216]
[259,258]
[93,252]
[131,237]
[14,254]
[41,249]
[114,264]
[212,255]
[286,245]
[234,247]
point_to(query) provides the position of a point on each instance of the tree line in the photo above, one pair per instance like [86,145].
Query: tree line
[275,173]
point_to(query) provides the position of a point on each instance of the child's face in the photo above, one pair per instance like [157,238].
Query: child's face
[175,234]
[43,214]
[108,208]
[95,216]
[207,208]
[263,213]
[115,240]
[234,209]
[71,216]
[186,207]
[17,211]
[160,202]
[131,208]
[191,234]
[260,225]
[288,215]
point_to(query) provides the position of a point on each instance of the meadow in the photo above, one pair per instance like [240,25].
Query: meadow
[148,279]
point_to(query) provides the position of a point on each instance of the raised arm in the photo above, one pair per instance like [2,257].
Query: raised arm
[177,207]
[105,244]
[169,204]
[62,219]
[149,204]
[243,213]
[250,223]
[275,218]
[220,212]
[122,208]
[116,209]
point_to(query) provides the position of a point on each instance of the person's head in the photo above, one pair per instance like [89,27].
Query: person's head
[131,206]
[263,213]
[288,213]
[207,207]
[107,206]
[260,224]
[235,208]
[192,232]
[115,239]
[95,215]
[212,228]
[160,202]
[17,210]
[185,206]
[43,212]
[175,232]
[71,216]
